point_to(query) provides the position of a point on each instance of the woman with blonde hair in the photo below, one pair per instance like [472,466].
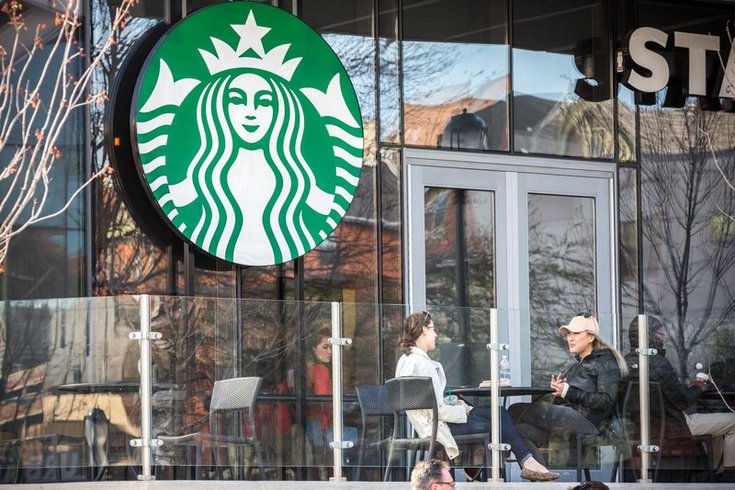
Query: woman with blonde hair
[585,395]
[418,338]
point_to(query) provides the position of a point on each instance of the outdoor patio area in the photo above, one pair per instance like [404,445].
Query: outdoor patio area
[314,485]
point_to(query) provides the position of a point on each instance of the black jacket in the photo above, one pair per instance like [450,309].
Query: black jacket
[593,386]
[677,396]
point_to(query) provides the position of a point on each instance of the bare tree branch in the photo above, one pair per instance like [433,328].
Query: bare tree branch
[36,105]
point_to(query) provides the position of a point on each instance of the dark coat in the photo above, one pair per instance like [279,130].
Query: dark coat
[593,386]
[677,396]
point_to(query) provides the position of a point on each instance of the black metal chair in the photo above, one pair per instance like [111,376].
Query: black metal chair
[232,398]
[667,443]
[611,434]
[374,403]
[235,396]
[410,393]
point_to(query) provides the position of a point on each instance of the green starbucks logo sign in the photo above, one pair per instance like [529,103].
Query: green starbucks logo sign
[248,133]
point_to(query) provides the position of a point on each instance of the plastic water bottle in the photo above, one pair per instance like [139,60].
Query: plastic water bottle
[504,371]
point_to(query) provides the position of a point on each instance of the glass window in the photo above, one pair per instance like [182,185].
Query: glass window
[344,266]
[127,259]
[561,78]
[459,238]
[48,258]
[389,91]
[391,254]
[628,240]
[561,273]
[455,74]
[686,153]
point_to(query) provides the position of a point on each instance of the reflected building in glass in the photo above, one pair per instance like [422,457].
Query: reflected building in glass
[509,163]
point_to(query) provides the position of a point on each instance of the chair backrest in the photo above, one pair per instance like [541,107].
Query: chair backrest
[657,411]
[234,394]
[657,408]
[413,393]
[373,400]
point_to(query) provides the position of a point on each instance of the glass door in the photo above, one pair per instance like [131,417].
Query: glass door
[535,243]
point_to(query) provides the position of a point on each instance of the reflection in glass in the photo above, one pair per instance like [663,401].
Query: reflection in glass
[688,253]
[460,272]
[391,256]
[389,91]
[344,266]
[561,274]
[687,204]
[127,260]
[628,241]
[561,88]
[455,62]
[48,259]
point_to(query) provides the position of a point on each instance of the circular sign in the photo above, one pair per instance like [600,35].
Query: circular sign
[247,133]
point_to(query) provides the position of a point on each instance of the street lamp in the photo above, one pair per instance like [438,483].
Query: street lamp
[466,131]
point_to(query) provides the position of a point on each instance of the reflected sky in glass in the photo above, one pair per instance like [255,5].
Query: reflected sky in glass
[546,75]
[442,79]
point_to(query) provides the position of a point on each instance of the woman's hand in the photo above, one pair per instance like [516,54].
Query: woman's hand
[467,408]
[557,384]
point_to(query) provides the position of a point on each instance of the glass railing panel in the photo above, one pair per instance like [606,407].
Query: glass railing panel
[71,404]
[689,388]
[70,400]
[287,345]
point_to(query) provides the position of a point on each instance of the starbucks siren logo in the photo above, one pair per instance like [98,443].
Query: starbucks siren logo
[248,133]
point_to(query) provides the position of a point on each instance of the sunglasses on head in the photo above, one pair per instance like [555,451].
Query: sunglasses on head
[585,314]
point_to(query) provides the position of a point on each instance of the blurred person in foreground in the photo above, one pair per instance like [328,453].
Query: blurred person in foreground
[431,474]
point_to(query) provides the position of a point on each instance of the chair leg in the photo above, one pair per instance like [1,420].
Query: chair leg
[616,466]
[360,454]
[388,464]
[579,458]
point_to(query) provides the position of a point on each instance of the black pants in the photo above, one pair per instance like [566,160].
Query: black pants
[537,421]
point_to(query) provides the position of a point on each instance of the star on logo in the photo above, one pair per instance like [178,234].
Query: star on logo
[251,36]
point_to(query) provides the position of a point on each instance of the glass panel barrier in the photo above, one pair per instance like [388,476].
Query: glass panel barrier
[245,390]
[70,400]
[690,397]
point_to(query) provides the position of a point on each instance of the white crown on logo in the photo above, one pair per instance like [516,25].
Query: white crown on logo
[251,36]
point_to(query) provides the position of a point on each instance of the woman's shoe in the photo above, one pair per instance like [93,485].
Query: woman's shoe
[471,474]
[532,475]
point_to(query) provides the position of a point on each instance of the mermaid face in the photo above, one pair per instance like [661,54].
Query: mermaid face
[250,107]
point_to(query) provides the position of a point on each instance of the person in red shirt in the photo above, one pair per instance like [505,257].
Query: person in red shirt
[319,382]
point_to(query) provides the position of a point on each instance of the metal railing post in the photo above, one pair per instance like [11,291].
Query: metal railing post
[337,342]
[495,445]
[643,396]
[144,337]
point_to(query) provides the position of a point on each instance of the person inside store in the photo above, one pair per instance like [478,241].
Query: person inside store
[319,382]
[431,474]
[417,339]
[585,396]
[680,400]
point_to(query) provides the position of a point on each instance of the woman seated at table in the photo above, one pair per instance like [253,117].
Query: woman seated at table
[584,396]
[319,382]
[418,338]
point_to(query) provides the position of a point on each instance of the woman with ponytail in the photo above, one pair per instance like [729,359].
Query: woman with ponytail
[585,395]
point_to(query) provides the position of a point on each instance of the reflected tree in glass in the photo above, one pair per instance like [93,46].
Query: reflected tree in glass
[687,226]
[561,266]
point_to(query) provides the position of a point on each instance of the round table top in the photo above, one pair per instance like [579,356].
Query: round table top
[504,391]
[111,387]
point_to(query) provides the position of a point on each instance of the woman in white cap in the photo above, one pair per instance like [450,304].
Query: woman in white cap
[584,396]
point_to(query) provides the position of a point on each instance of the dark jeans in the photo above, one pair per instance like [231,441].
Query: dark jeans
[536,421]
[479,421]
